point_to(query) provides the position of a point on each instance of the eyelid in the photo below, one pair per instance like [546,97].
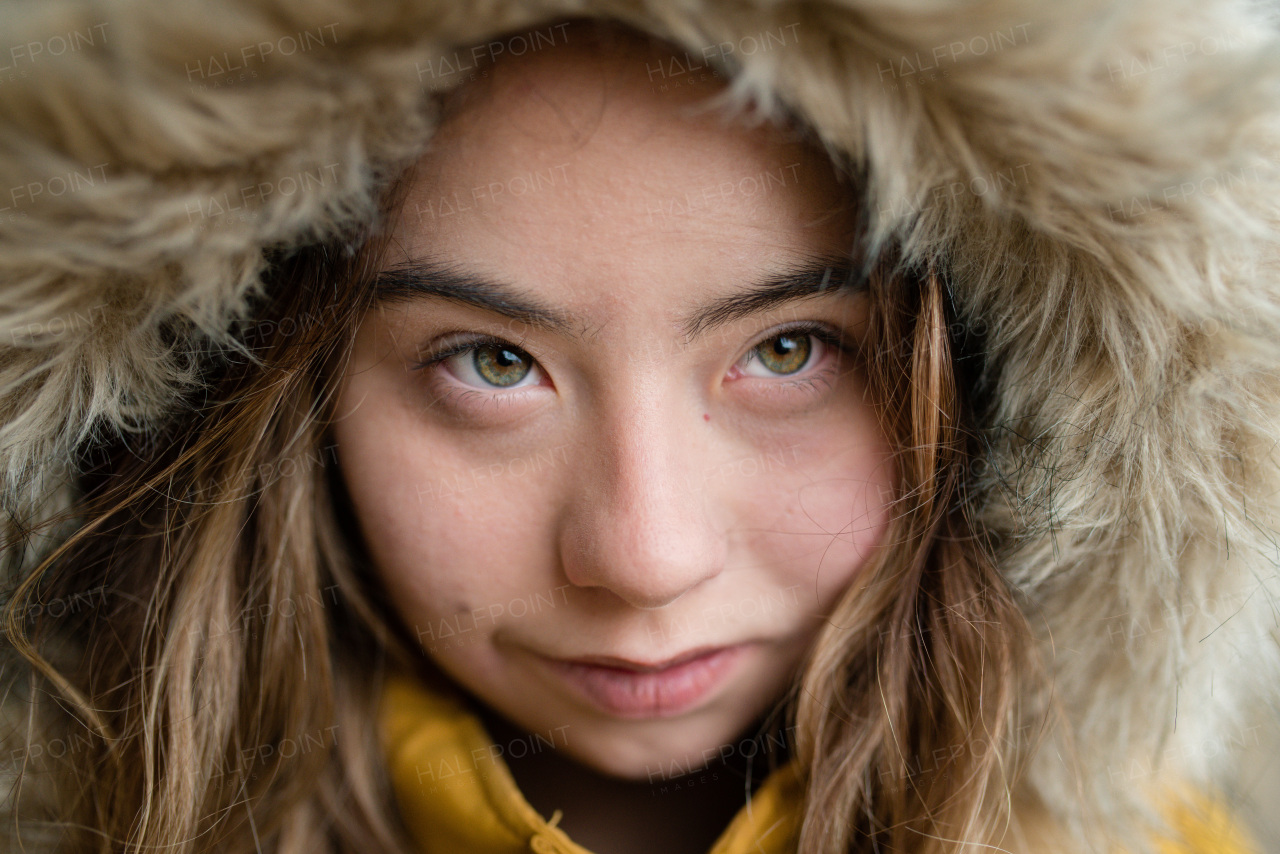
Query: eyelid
[453,343]
[824,332]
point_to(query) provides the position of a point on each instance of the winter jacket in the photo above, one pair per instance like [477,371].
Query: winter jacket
[1098,182]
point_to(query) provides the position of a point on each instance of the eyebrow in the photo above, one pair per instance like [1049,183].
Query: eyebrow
[425,278]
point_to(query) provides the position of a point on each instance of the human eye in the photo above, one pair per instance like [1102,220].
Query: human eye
[794,351]
[483,362]
[471,373]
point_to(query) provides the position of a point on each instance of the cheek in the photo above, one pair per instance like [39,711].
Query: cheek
[441,532]
[820,508]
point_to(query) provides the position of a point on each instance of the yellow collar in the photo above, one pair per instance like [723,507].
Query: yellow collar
[457,796]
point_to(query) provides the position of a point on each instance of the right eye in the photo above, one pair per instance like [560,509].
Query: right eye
[487,363]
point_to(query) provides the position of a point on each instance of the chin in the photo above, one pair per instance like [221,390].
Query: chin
[657,752]
[638,767]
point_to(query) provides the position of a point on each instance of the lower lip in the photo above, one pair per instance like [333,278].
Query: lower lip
[654,694]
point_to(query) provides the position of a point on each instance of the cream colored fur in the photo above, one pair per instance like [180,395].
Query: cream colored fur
[1102,182]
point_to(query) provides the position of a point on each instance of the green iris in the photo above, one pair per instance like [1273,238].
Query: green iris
[785,353]
[501,365]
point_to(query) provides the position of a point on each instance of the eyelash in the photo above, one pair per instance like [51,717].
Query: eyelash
[821,332]
[826,335]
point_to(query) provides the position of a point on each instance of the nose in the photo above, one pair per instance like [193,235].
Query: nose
[640,524]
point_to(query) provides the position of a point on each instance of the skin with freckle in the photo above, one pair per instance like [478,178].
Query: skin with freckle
[557,495]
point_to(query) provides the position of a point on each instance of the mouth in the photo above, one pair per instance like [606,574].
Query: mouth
[625,688]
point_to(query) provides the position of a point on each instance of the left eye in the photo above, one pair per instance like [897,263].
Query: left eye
[783,354]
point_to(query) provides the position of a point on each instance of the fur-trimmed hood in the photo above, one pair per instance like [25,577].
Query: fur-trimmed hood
[1098,180]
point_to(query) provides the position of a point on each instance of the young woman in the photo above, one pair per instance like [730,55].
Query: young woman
[506,432]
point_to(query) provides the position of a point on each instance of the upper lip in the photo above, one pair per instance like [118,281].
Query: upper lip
[643,666]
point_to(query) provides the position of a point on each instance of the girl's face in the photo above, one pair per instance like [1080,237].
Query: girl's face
[606,434]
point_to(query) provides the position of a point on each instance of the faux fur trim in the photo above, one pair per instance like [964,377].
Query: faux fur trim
[1100,178]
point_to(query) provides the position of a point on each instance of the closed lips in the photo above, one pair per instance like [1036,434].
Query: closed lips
[628,689]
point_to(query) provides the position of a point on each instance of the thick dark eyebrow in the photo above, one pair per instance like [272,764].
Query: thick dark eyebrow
[425,278]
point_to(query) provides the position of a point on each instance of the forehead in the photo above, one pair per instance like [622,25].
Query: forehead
[573,166]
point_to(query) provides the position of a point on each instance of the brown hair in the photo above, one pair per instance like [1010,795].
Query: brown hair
[926,659]
[235,620]
[221,697]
